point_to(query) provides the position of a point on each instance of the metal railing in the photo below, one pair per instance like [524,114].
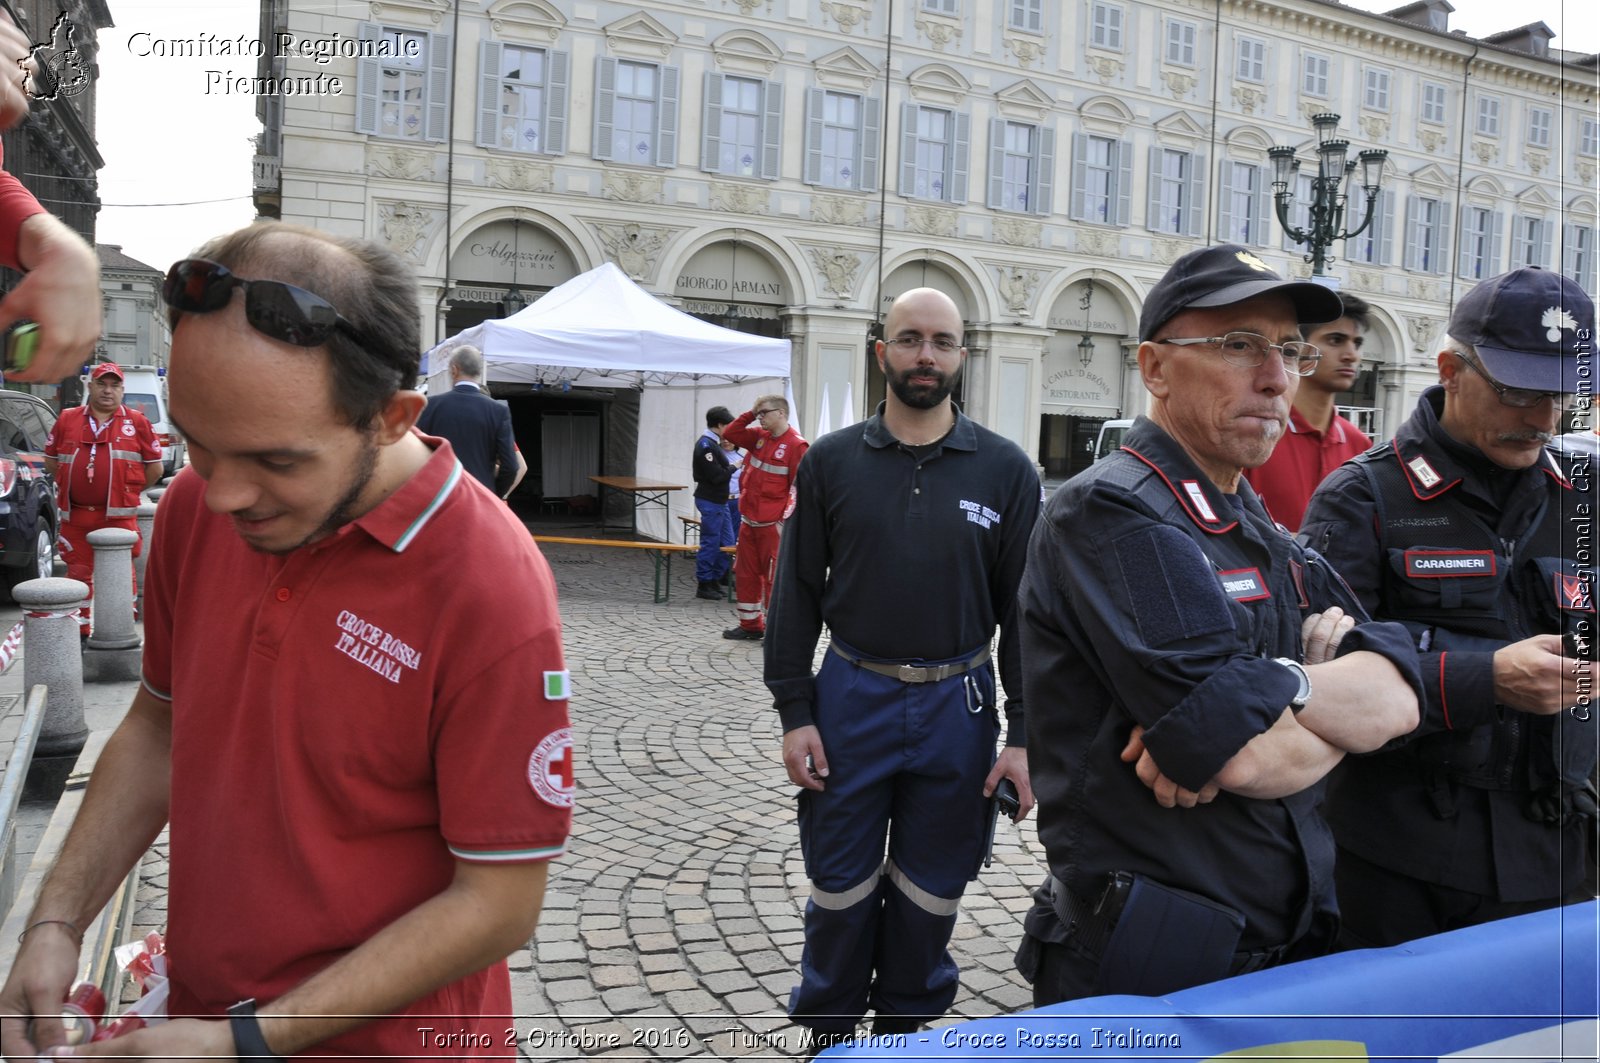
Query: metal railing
[265,170]
[1367,418]
[11,793]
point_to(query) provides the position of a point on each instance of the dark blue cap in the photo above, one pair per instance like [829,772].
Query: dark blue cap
[1228,274]
[1530,328]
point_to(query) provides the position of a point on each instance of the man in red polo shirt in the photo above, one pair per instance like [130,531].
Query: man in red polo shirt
[364,783]
[102,455]
[1320,438]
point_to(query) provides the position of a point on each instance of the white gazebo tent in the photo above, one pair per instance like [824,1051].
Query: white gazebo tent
[600,330]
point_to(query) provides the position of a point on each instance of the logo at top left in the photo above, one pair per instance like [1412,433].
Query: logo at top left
[54,69]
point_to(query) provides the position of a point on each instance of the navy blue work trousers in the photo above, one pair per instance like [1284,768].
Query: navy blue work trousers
[711,564]
[906,765]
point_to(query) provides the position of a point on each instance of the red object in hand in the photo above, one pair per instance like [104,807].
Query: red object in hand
[118,1027]
[82,1011]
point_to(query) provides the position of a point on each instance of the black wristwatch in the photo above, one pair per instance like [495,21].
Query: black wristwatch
[247,1040]
[1303,695]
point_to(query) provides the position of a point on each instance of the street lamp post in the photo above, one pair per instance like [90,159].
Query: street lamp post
[1326,209]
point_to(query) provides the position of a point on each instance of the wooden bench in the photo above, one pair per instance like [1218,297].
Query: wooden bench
[690,524]
[660,554]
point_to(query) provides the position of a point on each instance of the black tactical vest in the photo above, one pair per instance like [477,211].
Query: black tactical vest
[1457,585]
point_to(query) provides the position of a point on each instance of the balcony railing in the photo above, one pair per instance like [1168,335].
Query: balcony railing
[266,173]
[1367,418]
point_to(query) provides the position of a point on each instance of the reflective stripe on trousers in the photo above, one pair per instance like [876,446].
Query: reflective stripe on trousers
[906,769]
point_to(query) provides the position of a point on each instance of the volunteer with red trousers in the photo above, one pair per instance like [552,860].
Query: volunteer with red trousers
[775,450]
[102,455]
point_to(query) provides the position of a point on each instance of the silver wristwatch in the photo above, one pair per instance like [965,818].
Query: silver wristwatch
[1303,695]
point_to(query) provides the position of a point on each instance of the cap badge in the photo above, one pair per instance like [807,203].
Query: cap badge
[1253,262]
[1554,320]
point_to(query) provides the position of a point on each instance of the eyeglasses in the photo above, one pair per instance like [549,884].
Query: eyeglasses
[915,343]
[762,413]
[1247,350]
[273,308]
[1520,398]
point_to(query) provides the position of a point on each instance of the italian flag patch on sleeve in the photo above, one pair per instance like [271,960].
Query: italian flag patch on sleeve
[557,685]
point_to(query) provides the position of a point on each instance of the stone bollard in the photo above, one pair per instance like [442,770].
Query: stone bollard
[154,493]
[112,654]
[51,655]
[147,523]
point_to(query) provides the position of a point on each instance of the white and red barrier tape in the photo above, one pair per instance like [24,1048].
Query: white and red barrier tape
[9,648]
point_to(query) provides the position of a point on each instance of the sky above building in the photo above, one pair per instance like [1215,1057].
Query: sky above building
[176,133]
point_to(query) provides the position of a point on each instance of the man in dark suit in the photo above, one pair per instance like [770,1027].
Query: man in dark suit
[478,428]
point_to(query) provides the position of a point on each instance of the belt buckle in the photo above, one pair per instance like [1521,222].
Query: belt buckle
[910,673]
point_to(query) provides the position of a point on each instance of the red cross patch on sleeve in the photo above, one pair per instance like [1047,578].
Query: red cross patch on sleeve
[550,769]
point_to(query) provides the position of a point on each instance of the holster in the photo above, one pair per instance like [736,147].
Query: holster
[1168,939]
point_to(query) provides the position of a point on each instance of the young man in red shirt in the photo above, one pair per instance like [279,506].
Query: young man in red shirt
[765,482]
[1320,438]
[365,786]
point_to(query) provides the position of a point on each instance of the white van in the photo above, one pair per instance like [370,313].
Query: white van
[1110,437]
[144,388]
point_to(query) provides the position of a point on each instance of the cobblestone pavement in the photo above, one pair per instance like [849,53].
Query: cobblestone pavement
[672,927]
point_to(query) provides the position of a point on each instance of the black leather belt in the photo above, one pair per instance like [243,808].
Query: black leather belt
[917,673]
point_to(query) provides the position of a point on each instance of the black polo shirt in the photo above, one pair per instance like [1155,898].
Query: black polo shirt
[905,558]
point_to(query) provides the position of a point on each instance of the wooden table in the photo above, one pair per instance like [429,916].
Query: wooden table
[644,492]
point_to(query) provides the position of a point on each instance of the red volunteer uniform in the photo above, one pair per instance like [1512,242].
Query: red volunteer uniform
[764,485]
[1302,459]
[348,721]
[99,480]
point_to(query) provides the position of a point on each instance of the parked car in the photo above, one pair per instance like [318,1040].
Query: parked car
[144,388]
[27,495]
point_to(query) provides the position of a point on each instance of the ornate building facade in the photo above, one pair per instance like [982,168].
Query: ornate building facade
[52,151]
[789,166]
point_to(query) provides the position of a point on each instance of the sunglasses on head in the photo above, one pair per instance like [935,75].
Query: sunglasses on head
[273,308]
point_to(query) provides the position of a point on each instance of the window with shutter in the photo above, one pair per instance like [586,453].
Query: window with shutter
[840,130]
[1539,126]
[930,131]
[1180,42]
[1433,102]
[1476,252]
[739,116]
[1314,75]
[1105,26]
[517,109]
[1252,60]
[1026,15]
[1488,116]
[633,132]
[403,92]
[1375,92]
[1019,166]
[1578,254]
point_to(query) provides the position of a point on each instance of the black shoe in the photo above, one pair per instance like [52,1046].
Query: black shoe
[890,1025]
[725,580]
[710,591]
[813,1042]
[743,633]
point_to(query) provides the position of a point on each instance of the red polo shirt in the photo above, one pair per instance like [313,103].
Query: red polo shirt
[1302,459]
[348,721]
